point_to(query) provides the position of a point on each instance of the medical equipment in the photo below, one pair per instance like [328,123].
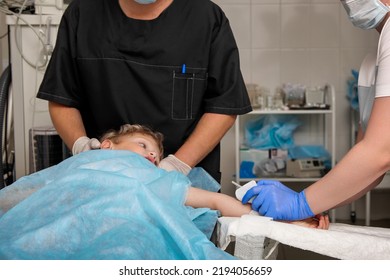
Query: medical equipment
[294,94]
[289,205]
[304,168]
[246,246]
[46,148]
[241,190]
[51,7]
[341,241]
[315,97]
[30,39]
[257,95]
[5,82]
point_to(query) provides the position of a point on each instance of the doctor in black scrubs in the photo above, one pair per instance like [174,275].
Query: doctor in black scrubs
[172,65]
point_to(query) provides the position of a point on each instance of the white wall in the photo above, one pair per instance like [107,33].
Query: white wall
[310,42]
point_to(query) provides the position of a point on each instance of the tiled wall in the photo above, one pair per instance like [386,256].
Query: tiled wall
[310,42]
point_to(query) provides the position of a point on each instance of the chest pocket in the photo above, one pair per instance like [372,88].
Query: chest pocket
[187,94]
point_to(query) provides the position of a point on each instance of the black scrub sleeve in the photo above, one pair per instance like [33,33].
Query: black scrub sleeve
[60,83]
[226,91]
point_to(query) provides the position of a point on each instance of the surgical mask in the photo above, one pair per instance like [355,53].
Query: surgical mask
[145,2]
[365,14]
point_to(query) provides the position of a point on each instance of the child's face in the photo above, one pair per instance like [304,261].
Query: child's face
[141,144]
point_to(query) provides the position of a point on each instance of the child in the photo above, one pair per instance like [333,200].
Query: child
[147,143]
[114,204]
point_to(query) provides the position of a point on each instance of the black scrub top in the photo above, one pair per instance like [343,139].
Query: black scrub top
[164,73]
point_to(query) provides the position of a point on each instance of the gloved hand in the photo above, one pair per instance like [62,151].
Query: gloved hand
[278,201]
[172,163]
[84,143]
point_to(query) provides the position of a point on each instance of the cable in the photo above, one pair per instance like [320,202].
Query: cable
[5,81]
[44,40]
[17,26]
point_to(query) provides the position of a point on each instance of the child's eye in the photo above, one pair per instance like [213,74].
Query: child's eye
[143,145]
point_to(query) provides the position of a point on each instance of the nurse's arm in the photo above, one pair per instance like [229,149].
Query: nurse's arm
[360,168]
[68,123]
[369,187]
[207,134]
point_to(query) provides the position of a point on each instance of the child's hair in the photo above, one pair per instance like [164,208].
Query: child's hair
[130,129]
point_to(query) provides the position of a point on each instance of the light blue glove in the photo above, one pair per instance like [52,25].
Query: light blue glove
[273,199]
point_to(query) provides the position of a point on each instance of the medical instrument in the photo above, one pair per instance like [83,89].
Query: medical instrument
[283,203]
[241,190]
[304,168]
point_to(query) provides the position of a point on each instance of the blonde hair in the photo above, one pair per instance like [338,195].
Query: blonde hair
[130,129]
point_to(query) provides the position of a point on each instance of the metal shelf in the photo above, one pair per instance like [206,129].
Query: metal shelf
[281,179]
[328,133]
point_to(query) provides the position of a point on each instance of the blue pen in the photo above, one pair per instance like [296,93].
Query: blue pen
[183,69]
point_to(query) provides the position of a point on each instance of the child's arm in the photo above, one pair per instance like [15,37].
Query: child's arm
[231,207]
[227,205]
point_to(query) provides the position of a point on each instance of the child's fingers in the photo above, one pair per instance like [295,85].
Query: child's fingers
[324,222]
[320,222]
[327,222]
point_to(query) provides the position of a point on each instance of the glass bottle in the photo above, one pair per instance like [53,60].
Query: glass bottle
[278,100]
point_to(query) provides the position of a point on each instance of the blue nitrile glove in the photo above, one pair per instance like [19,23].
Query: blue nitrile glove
[275,200]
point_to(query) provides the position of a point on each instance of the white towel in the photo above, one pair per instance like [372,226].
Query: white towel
[341,241]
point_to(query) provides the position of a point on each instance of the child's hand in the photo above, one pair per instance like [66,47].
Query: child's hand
[319,222]
[323,221]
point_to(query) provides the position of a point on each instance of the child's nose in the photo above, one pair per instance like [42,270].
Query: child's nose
[153,154]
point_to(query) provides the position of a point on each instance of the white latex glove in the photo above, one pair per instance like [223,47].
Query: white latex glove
[84,143]
[172,163]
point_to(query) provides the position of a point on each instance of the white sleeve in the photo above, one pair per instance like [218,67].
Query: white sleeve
[383,61]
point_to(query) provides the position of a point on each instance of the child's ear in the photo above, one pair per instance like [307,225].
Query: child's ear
[106,144]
